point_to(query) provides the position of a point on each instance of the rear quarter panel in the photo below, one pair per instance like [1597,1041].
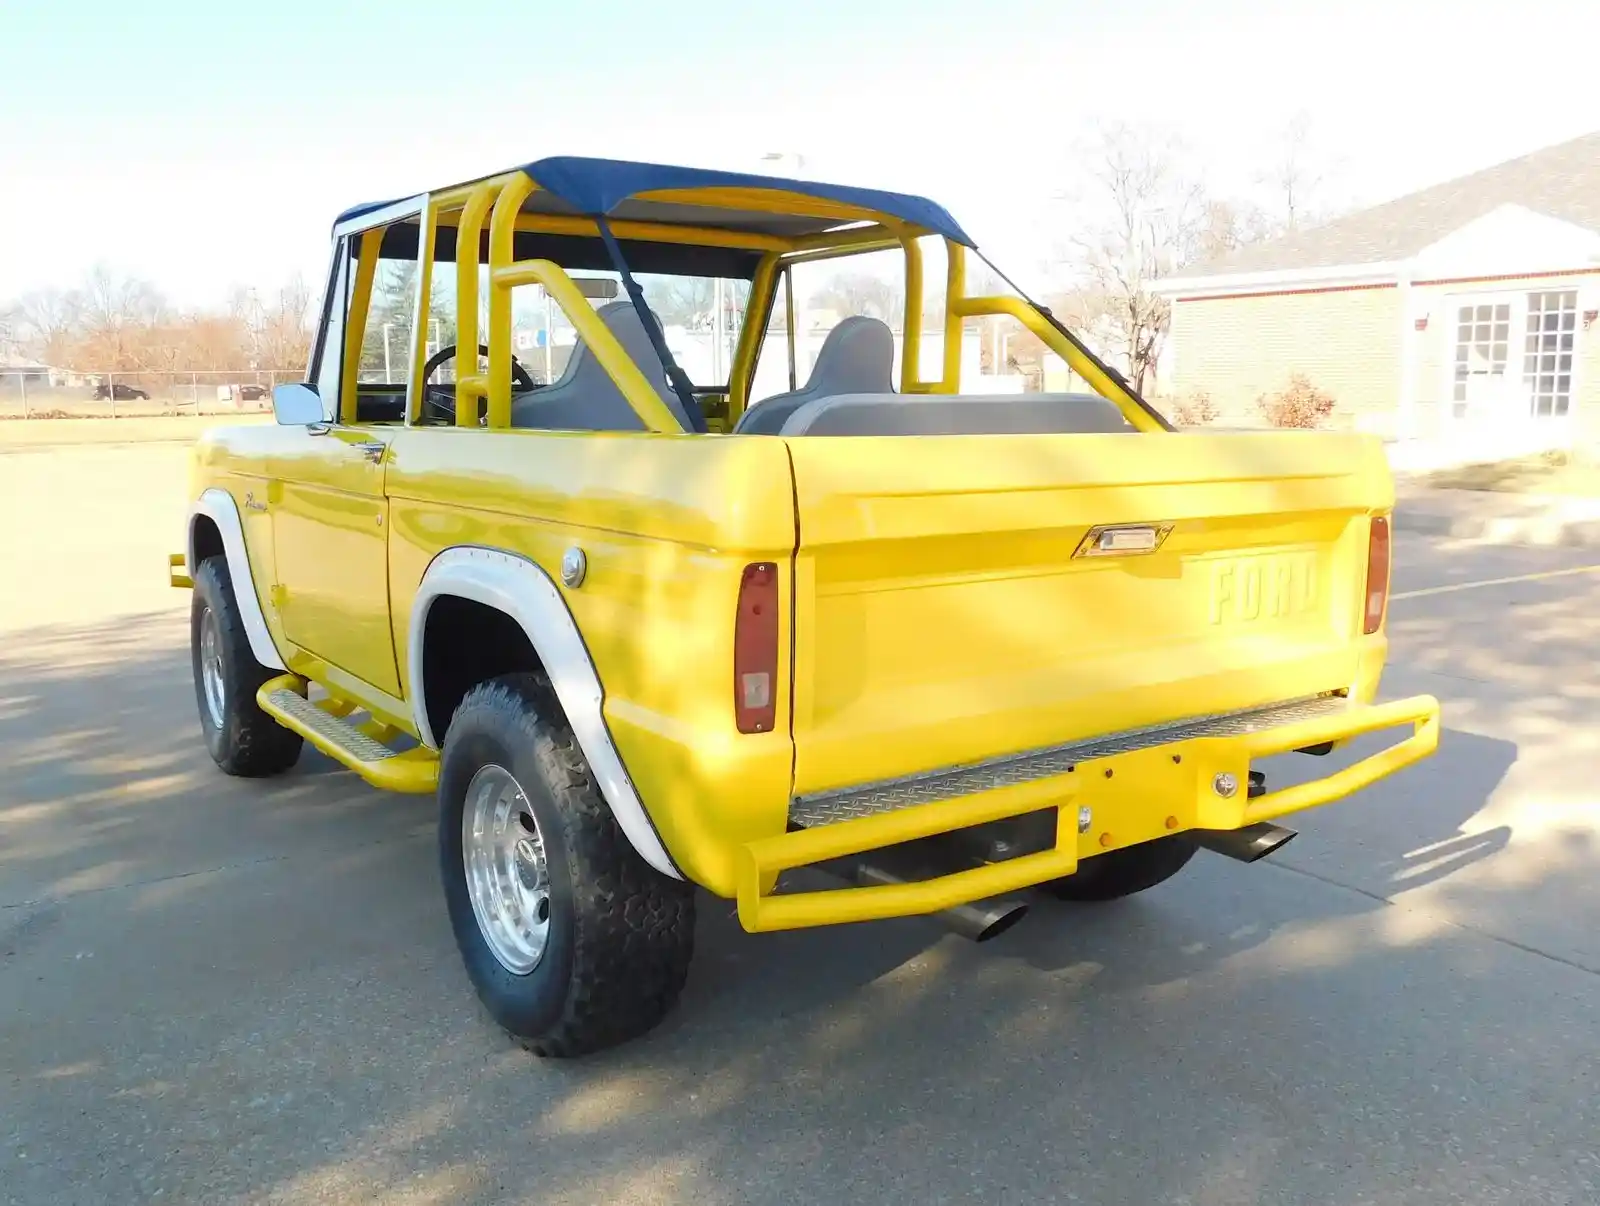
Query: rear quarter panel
[667,524]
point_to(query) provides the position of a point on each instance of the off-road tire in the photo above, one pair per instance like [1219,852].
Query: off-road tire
[248,742]
[621,933]
[1123,872]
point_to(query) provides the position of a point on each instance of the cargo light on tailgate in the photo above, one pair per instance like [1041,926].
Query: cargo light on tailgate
[1377,574]
[755,649]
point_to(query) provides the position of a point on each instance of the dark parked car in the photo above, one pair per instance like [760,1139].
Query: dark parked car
[119,391]
[253,393]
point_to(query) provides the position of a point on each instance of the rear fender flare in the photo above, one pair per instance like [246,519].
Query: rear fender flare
[218,506]
[519,588]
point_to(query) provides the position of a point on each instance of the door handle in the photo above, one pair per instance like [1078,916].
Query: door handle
[373,449]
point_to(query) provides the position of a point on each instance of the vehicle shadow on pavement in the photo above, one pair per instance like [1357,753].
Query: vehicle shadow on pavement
[278,1013]
[106,781]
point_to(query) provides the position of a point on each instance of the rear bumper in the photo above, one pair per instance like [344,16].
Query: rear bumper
[1110,793]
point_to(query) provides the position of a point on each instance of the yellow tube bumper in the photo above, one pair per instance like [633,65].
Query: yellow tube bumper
[1105,804]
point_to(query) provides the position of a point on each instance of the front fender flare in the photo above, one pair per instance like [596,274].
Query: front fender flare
[218,506]
[519,588]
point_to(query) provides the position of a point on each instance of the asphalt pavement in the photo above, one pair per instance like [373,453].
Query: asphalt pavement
[214,991]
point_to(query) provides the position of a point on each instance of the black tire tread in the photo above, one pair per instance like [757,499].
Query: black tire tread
[1124,872]
[634,925]
[259,746]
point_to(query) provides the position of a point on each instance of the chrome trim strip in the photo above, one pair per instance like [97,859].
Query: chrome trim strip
[1008,770]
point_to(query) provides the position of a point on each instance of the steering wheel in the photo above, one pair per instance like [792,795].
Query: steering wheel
[442,398]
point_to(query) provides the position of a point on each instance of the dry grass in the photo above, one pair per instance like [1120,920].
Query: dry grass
[1546,473]
[49,433]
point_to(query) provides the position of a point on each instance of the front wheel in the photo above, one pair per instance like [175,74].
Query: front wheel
[1123,872]
[241,738]
[573,942]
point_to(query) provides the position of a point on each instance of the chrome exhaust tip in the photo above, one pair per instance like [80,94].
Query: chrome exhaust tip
[1248,845]
[978,920]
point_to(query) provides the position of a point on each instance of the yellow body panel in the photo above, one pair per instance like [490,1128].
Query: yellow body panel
[939,605]
[935,608]
[667,524]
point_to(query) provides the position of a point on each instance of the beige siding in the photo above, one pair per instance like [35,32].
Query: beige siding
[1238,348]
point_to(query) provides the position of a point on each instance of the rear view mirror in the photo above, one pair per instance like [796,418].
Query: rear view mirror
[296,405]
[596,286]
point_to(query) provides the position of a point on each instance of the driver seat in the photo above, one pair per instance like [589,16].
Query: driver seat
[584,398]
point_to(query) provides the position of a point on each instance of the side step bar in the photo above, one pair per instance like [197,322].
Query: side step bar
[324,725]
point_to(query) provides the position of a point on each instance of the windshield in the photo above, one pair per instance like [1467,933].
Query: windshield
[701,317]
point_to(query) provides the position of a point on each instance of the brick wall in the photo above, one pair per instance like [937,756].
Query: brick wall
[1347,341]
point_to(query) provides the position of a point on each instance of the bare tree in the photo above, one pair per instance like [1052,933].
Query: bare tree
[1146,217]
[860,293]
[1295,177]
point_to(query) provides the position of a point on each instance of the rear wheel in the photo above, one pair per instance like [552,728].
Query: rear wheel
[241,738]
[1123,872]
[573,942]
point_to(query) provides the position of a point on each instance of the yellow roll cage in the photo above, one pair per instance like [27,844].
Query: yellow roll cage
[498,200]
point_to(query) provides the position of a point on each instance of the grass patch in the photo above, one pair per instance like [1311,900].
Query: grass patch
[1543,473]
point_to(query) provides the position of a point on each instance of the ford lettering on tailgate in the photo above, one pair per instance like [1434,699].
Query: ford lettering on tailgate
[1272,586]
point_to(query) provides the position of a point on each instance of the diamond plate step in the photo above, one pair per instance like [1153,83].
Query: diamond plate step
[947,783]
[414,770]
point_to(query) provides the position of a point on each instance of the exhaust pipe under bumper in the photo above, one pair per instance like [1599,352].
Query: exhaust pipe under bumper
[1249,844]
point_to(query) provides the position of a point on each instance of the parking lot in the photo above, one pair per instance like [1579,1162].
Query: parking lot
[222,991]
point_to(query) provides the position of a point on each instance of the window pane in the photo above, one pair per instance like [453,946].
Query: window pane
[1500,354]
[386,342]
[1503,313]
[1483,313]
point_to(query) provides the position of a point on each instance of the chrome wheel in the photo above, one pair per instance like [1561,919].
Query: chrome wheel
[508,880]
[211,680]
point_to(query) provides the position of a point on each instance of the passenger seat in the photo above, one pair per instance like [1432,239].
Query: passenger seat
[857,357]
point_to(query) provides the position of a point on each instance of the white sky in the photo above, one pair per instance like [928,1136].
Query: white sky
[149,139]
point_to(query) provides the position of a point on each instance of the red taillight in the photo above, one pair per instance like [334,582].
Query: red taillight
[1377,574]
[755,649]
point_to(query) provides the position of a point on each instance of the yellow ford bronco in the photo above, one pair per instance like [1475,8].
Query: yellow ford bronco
[732,575]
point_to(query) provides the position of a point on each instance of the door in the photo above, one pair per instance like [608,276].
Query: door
[330,533]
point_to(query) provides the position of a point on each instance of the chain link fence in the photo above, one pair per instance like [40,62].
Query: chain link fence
[39,393]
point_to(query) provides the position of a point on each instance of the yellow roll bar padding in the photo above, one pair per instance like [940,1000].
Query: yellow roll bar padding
[502,233]
[602,344]
[355,330]
[653,232]
[911,318]
[954,290]
[1015,307]
[429,220]
[468,229]
[763,294]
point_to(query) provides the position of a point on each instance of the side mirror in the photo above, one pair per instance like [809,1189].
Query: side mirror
[296,405]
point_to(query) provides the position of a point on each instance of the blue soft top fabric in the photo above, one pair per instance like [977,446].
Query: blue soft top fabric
[598,186]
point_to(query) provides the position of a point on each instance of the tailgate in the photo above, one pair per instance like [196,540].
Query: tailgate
[942,616]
